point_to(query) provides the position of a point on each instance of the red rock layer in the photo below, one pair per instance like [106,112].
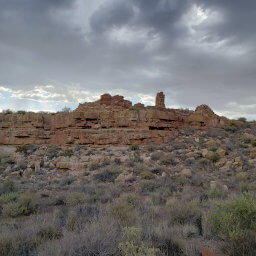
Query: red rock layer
[108,121]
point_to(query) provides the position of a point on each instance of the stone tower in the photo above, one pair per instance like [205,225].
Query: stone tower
[160,100]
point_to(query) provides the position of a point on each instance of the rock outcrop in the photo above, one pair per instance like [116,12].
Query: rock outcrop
[108,121]
[160,97]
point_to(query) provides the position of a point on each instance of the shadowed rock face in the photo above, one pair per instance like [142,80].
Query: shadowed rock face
[108,121]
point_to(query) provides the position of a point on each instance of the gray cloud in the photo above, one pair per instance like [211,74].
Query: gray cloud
[196,51]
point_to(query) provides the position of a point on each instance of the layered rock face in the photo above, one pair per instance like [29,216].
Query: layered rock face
[108,121]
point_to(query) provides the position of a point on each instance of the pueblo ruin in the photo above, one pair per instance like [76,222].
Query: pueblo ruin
[111,120]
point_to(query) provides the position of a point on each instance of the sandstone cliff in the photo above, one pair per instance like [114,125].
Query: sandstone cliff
[110,120]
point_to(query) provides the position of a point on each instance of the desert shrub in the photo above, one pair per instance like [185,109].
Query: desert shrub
[94,166]
[75,198]
[242,119]
[235,222]
[214,158]
[136,158]
[140,167]
[7,186]
[52,152]
[217,192]
[134,147]
[66,110]
[232,127]
[117,160]
[71,220]
[147,175]
[49,232]
[25,204]
[132,245]
[213,148]
[7,160]
[160,195]
[131,199]
[171,239]
[90,152]
[21,112]
[12,209]
[23,148]
[67,181]
[151,148]
[123,212]
[254,143]
[156,156]
[167,160]
[157,170]
[96,238]
[7,198]
[184,212]
[107,174]
[7,111]
[12,245]
[67,152]
[148,186]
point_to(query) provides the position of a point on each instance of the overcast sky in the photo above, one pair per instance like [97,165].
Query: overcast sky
[56,53]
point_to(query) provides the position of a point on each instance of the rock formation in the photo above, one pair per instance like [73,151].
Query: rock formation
[160,100]
[108,121]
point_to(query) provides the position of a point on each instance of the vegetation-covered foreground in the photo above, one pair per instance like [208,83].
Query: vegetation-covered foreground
[192,195]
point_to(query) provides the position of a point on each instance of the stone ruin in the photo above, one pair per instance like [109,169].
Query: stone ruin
[160,100]
[111,120]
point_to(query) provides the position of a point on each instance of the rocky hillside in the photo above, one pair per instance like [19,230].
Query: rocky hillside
[162,199]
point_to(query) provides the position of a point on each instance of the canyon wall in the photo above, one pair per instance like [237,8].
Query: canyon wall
[111,120]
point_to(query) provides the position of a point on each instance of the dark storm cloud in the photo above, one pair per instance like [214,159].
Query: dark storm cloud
[116,13]
[197,51]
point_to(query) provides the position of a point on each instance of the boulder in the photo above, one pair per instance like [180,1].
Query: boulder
[186,173]
[221,152]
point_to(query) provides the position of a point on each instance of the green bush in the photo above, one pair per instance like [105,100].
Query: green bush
[21,112]
[94,166]
[67,152]
[167,160]
[52,152]
[75,198]
[151,148]
[71,220]
[242,119]
[14,245]
[147,175]
[25,204]
[23,148]
[217,192]
[184,212]
[132,245]
[108,174]
[233,221]
[7,198]
[49,233]
[123,212]
[7,160]
[214,158]
[134,147]
[7,186]
[13,209]
[232,127]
